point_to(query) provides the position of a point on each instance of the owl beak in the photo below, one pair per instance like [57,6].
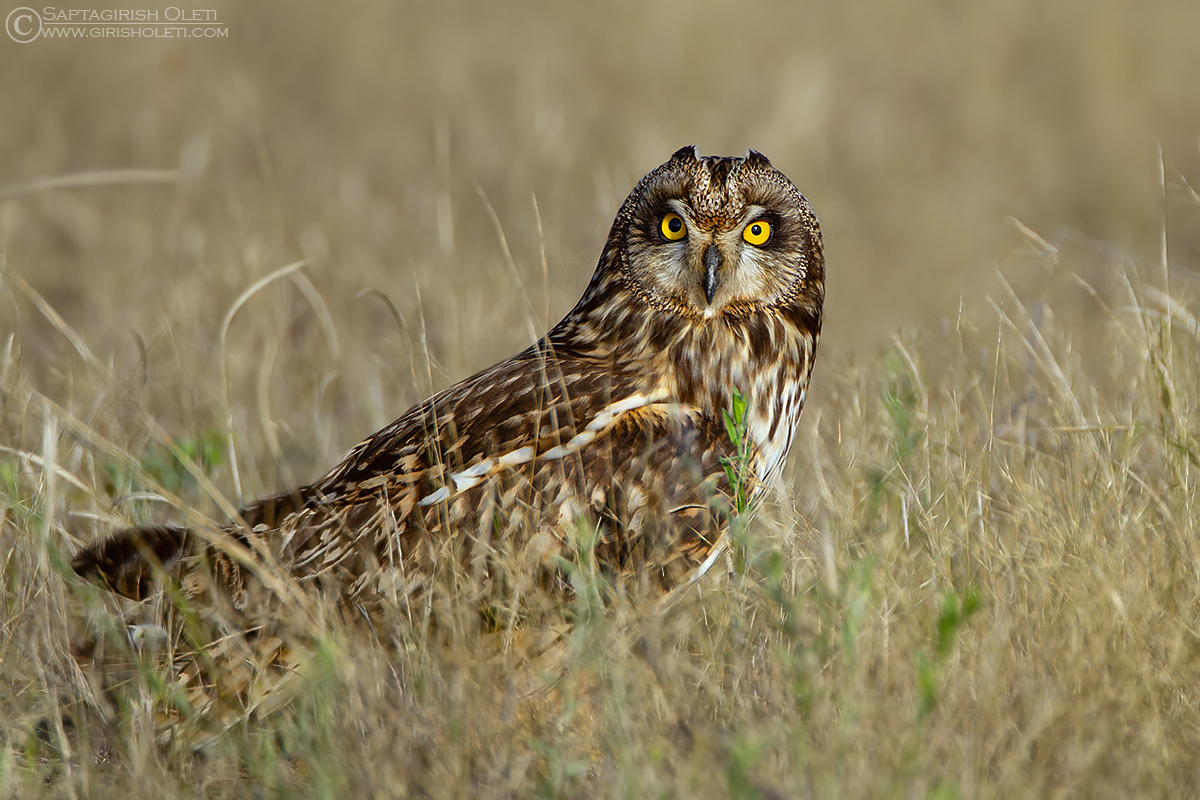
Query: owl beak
[712,260]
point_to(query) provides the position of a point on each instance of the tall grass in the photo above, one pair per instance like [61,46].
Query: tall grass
[982,583]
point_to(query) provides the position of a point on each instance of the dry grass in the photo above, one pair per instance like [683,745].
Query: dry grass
[985,580]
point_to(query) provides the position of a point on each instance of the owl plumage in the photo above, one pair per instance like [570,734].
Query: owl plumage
[710,284]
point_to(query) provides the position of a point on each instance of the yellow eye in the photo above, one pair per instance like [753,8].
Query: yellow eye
[757,233]
[672,227]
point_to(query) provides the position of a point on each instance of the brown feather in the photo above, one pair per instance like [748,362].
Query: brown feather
[129,562]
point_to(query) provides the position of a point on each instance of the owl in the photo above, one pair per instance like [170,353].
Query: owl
[681,372]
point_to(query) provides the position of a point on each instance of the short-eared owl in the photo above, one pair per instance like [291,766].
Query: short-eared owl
[710,285]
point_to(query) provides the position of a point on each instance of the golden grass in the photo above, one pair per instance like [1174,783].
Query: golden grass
[984,580]
[987,587]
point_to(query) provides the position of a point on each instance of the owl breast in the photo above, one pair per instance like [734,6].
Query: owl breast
[765,358]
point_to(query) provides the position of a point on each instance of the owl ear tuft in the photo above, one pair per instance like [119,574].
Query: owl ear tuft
[685,153]
[756,159]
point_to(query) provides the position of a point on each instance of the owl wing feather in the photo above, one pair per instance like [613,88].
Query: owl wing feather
[544,437]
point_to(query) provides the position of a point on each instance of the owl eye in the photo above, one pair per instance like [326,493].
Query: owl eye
[672,227]
[757,233]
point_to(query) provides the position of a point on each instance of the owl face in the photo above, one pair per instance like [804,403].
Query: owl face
[708,237]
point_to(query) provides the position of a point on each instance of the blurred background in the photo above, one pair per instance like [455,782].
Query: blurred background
[450,171]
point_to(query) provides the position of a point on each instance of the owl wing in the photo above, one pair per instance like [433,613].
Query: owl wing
[536,445]
[395,479]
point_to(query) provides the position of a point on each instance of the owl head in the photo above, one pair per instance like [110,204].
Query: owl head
[716,237]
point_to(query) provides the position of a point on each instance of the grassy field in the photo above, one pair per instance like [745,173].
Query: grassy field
[984,580]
